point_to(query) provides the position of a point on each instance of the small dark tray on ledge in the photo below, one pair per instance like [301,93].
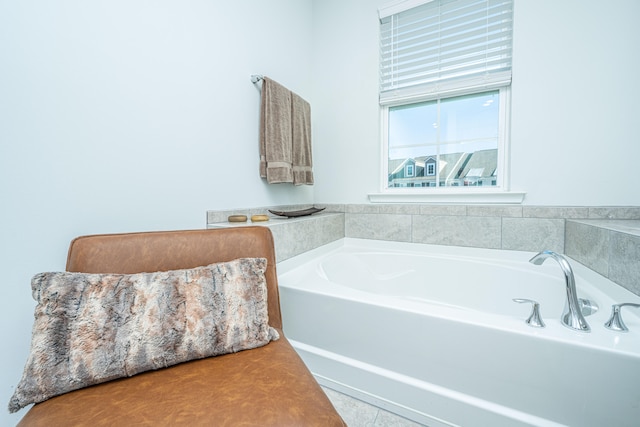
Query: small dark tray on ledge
[293,214]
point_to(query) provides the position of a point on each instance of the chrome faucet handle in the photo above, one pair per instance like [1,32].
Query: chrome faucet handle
[534,318]
[615,321]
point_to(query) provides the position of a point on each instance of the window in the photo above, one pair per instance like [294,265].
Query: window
[457,140]
[430,169]
[408,170]
[445,72]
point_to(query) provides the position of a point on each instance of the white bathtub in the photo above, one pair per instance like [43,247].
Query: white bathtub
[431,332]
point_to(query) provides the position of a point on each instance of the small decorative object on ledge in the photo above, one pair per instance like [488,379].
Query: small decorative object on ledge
[237,218]
[293,214]
[259,218]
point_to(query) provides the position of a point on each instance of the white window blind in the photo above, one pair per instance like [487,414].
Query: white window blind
[444,47]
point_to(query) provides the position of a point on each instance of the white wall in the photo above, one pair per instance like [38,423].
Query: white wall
[574,101]
[120,115]
[345,100]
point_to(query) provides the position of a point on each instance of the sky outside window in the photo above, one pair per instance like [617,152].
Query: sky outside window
[461,132]
[468,123]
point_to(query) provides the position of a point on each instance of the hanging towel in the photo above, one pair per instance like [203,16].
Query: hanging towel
[285,135]
[275,132]
[301,141]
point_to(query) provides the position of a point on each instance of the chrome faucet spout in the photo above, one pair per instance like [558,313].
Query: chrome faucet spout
[572,315]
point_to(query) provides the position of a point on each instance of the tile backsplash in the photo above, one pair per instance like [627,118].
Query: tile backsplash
[609,247]
[605,239]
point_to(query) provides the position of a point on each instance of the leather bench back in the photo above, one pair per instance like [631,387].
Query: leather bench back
[172,250]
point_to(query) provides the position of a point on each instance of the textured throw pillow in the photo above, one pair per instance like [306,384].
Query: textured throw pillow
[92,328]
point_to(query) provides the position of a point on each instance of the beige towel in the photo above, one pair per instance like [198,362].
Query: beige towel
[275,133]
[301,148]
[285,135]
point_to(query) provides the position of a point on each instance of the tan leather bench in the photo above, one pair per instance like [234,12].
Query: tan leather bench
[265,386]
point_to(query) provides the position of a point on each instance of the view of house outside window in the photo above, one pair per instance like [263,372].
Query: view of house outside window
[445,143]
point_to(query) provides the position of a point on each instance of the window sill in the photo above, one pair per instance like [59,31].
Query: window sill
[449,196]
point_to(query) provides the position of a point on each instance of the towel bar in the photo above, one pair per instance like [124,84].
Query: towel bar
[255,78]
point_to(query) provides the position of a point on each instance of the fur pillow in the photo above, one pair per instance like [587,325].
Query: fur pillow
[92,328]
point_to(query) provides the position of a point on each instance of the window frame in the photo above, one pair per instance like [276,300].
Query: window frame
[502,183]
[501,193]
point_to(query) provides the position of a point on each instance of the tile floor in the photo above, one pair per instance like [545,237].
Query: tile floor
[357,413]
